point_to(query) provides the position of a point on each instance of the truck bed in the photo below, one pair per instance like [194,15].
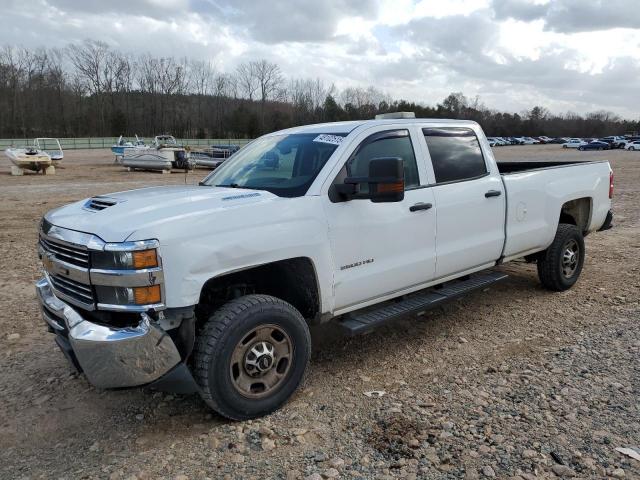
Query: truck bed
[506,168]
[536,192]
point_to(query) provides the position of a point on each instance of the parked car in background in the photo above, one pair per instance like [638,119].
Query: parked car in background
[573,143]
[615,141]
[497,141]
[545,139]
[594,145]
[531,141]
[635,145]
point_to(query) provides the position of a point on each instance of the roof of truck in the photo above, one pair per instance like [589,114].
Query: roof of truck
[347,127]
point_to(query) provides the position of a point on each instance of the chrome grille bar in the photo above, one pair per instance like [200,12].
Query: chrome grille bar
[75,256]
[72,289]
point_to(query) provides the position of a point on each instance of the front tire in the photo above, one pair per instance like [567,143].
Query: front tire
[561,264]
[251,355]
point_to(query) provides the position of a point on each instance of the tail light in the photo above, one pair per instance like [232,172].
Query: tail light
[610,184]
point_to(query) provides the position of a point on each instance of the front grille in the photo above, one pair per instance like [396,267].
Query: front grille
[75,290]
[74,255]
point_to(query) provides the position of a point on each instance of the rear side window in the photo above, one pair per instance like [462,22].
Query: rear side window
[455,154]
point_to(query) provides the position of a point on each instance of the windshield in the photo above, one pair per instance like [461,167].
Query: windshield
[284,165]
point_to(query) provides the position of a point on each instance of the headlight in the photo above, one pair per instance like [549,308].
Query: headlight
[136,260]
[147,295]
[128,276]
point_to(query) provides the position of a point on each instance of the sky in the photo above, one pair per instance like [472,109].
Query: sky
[565,55]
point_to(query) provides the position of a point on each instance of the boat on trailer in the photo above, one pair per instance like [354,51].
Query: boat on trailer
[29,158]
[164,154]
[213,156]
[123,144]
[52,147]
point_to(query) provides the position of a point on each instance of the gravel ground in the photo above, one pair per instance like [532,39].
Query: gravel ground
[513,382]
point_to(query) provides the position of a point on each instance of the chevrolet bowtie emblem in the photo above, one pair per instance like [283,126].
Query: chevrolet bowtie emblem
[47,261]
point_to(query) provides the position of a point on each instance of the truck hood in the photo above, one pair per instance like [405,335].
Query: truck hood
[149,208]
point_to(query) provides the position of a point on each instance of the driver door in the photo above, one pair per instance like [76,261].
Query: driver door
[380,249]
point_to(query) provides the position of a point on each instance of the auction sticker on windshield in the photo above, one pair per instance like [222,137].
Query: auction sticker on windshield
[332,139]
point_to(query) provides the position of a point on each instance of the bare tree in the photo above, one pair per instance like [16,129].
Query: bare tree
[269,78]
[247,80]
[90,61]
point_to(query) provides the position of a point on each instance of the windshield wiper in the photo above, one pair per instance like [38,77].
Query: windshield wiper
[235,185]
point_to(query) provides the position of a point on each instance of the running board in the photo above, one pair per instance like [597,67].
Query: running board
[359,322]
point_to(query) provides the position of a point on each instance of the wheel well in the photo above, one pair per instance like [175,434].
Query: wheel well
[293,280]
[577,212]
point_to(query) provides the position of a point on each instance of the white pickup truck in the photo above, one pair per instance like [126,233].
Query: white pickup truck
[211,288]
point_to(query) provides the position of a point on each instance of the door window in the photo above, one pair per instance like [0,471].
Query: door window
[455,154]
[395,143]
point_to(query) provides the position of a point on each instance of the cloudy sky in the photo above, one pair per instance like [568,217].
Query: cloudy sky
[577,55]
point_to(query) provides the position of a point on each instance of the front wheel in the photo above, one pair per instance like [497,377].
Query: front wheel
[251,355]
[580,148]
[560,265]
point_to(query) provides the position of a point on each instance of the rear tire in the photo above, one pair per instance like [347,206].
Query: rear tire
[251,355]
[560,265]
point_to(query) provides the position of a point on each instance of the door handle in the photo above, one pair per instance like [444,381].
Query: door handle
[493,193]
[420,206]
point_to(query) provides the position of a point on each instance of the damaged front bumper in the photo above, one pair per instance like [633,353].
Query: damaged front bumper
[115,357]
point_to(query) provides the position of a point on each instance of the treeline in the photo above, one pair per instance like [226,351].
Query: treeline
[90,89]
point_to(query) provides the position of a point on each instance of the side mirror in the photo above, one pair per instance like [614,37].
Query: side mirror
[385,182]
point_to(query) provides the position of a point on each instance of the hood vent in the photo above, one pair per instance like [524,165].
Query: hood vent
[96,204]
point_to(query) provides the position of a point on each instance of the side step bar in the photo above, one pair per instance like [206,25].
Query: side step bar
[359,322]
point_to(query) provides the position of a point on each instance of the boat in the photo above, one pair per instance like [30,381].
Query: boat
[164,154]
[123,144]
[52,147]
[29,158]
[213,156]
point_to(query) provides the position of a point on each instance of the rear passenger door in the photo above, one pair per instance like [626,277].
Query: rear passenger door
[469,201]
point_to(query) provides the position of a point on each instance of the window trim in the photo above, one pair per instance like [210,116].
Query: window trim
[383,135]
[465,129]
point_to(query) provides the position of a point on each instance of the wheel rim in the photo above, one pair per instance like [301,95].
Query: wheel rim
[570,258]
[261,361]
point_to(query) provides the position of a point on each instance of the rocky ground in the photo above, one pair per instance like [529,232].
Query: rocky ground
[513,382]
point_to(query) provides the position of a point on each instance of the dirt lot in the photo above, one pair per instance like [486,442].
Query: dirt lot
[515,382]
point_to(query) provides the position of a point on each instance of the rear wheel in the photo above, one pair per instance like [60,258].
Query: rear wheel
[251,355]
[561,264]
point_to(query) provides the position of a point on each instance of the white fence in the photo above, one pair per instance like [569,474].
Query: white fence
[107,142]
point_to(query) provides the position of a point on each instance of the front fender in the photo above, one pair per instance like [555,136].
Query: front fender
[195,250]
